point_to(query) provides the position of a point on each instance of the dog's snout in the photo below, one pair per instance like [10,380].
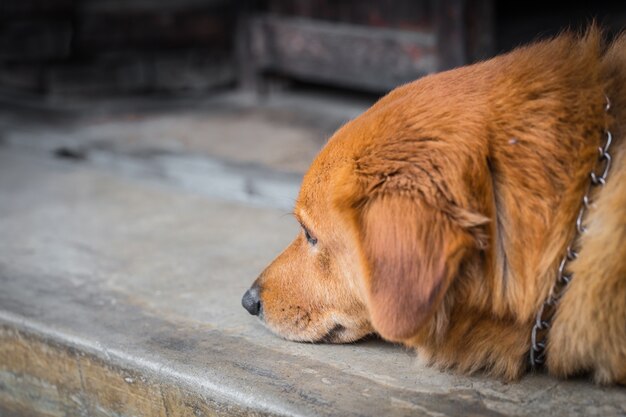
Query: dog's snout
[251,300]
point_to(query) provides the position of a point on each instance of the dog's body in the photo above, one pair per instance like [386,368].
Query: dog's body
[438,218]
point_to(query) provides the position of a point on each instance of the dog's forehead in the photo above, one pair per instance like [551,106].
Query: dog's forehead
[317,182]
[317,179]
[341,151]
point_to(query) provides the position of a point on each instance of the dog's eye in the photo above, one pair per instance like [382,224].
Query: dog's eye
[308,236]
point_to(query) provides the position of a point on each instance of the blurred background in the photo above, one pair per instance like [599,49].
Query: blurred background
[183,47]
[262,83]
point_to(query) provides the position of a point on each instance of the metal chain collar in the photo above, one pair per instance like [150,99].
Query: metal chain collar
[543,320]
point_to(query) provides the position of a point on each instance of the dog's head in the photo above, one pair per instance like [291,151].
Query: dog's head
[439,216]
[383,235]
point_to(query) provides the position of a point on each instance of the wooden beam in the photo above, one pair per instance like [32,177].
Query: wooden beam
[346,55]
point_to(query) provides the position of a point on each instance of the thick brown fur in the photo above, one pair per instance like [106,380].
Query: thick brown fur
[442,212]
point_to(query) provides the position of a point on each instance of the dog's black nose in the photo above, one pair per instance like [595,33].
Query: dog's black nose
[251,300]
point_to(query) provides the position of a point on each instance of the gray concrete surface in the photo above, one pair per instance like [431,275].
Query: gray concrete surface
[120,294]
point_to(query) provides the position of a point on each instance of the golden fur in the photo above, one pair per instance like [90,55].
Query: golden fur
[442,212]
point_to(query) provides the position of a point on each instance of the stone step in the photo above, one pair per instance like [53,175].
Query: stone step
[120,296]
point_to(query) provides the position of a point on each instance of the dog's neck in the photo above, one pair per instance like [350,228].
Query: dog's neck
[535,202]
[596,178]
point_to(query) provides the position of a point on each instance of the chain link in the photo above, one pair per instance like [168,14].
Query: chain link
[543,319]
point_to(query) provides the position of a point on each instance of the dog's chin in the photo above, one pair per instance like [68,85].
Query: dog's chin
[341,334]
[336,333]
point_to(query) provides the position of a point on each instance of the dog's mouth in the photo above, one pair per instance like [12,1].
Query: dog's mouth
[333,335]
[337,334]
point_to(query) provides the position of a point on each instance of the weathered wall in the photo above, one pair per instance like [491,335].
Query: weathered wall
[115,46]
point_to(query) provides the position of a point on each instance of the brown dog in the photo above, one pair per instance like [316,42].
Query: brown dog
[440,216]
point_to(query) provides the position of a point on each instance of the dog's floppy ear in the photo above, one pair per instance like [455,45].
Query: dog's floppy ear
[411,251]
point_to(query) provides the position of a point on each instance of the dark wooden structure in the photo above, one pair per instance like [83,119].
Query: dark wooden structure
[116,46]
[142,46]
[375,45]
[369,45]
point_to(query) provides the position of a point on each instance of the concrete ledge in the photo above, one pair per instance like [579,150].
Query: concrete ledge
[48,373]
[46,377]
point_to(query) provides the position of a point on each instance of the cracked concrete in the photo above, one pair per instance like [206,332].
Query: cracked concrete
[121,294]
